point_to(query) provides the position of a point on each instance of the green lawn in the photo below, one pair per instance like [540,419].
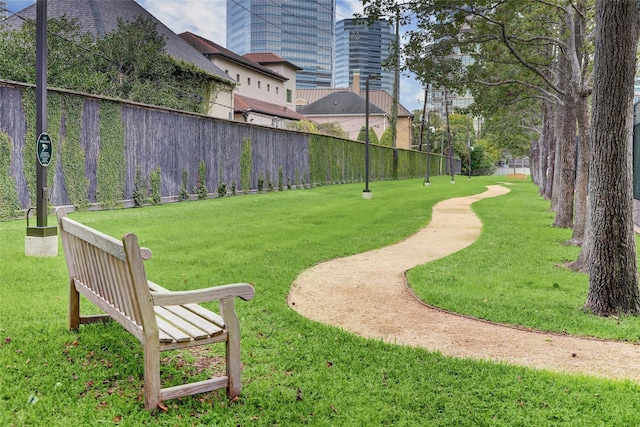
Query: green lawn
[298,372]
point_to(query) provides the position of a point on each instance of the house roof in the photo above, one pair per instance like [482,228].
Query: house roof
[99,17]
[211,49]
[339,103]
[269,58]
[379,98]
[244,104]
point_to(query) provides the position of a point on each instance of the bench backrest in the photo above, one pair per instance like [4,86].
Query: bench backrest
[110,271]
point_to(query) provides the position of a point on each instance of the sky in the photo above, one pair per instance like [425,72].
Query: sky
[207,18]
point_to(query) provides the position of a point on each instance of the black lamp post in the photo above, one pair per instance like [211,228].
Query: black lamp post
[366,193]
[41,240]
[450,146]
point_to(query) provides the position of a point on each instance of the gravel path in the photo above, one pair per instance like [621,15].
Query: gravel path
[367,294]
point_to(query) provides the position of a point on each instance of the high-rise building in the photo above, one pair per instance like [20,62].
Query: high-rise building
[300,31]
[364,47]
[3,10]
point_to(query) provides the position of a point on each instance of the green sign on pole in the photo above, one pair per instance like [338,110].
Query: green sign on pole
[44,149]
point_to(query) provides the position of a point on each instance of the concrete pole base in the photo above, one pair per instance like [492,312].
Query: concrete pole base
[41,246]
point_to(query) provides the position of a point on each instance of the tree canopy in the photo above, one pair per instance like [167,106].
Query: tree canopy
[127,63]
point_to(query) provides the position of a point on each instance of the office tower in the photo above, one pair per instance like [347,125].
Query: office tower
[364,47]
[300,31]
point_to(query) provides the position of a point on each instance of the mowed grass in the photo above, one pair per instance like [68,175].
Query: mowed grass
[296,372]
[516,273]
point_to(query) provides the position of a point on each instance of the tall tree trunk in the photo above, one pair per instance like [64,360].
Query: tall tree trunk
[579,62]
[613,281]
[544,147]
[571,78]
[557,140]
[551,139]
[582,175]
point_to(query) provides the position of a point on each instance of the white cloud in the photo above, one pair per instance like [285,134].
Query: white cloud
[206,18]
[347,8]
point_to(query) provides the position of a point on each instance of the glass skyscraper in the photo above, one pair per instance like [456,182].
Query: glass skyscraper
[300,31]
[363,47]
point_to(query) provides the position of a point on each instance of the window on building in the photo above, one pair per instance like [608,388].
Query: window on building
[248,81]
[277,89]
[289,95]
[268,87]
[258,84]
[238,78]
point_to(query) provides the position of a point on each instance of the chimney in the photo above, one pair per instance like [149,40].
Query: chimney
[355,86]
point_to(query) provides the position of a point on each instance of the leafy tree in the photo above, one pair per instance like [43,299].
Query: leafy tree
[373,138]
[303,126]
[387,138]
[332,129]
[127,63]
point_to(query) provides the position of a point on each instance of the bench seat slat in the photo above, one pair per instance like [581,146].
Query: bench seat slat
[200,322]
[180,323]
[168,329]
[206,314]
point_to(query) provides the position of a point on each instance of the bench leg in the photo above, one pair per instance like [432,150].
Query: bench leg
[232,347]
[74,306]
[151,373]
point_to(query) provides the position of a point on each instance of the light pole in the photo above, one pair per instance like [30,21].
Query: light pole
[446,112]
[428,114]
[41,240]
[366,193]
[469,147]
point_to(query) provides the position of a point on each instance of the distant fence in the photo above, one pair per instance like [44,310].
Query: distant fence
[100,147]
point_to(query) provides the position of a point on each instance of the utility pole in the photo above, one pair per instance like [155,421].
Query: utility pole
[41,240]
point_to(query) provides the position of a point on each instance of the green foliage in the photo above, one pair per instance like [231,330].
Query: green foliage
[386,140]
[201,186]
[280,178]
[373,137]
[9,205]
[245,165]
[306,126]
[269,183]
[127,63]
[29,107]
[155,197]
[140,189]
[260,183]
[73,154]
[184,193]
[222,186]
[482,163]
[111,159]
[332,129]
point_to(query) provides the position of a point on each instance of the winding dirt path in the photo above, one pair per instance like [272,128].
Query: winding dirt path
[367,294]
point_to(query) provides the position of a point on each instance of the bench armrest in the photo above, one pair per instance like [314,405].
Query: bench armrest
[241,290]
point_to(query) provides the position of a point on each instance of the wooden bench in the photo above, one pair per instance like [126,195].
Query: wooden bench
[111,274]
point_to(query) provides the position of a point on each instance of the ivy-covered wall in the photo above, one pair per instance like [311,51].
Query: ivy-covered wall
[100,145]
